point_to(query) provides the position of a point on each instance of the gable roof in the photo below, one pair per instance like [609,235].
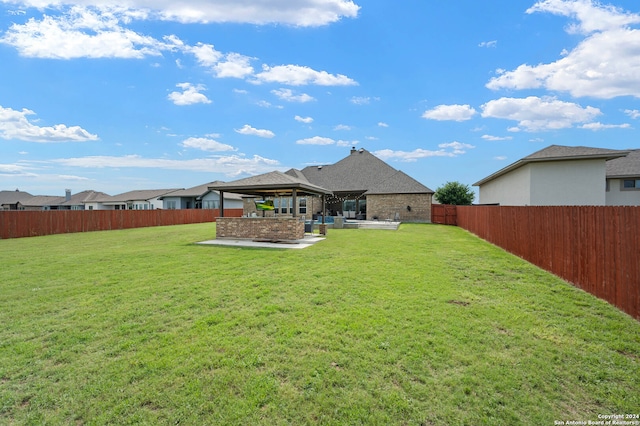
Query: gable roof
[362,171]
[270,183]
[558,153]
[12,197]
[143,194]
[623,167]
[398,183]
[200,191]
[88,196]
[42,200]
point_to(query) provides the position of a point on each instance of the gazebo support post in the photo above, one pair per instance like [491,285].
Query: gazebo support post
[294,200]
[221,195]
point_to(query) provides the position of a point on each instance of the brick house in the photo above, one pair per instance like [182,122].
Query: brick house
[360,186]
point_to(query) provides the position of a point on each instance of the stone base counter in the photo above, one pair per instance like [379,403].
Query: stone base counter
[260,228]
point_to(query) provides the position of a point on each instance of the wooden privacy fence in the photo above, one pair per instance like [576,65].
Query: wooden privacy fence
[595,248]
[443,214]
[17,224]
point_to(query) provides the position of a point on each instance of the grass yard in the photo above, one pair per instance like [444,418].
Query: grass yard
[427,325]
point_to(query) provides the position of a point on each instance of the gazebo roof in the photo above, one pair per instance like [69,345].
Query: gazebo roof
[271,184]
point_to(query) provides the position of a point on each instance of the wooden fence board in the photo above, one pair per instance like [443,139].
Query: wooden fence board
[18,224]
[597,248]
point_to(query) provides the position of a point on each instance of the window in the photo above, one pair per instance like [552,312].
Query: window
[210,204]
[630,184]
[303,205]
[171,205]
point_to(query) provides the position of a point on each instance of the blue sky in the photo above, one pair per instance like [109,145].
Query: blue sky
[116,95]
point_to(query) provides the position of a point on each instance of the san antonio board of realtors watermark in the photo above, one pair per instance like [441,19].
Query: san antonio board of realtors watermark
[604,420]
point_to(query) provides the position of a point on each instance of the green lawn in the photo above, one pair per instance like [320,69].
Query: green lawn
[427,325]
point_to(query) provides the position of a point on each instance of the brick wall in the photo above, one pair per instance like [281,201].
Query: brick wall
[409,207]
[260,228]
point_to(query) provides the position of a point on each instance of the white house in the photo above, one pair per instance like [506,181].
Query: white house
[200,197]
[146,199]
[556,175]
[623,180]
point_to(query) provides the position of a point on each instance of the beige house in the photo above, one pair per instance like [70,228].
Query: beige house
[556,175]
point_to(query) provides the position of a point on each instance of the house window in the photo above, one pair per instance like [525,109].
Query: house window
[303,205]
[210,204]
[171,205]
[630,184]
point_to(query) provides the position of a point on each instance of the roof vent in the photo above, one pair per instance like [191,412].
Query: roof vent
[361,150]
[319,167]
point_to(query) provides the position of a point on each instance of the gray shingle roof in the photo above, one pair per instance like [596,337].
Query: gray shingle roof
[270,182]
[558,153]
[398,183]
[362,171]
[144,194]
[42,200]
[200,191]
[12,197]
[88,196]
[622,167]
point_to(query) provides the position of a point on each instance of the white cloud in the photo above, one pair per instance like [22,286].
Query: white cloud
[288,95]
[591,16]
[450,113]
[248,130]
[190,95]
[342,127]
[15,125]
[307,120]
[232,165]
[82,33]
[235,65]
[605,64]
[500,157]
[206,144]
[298,13]
[600,126]
[496,138]
[536,114]
[316,140]
[452,149]
[296,75]
[633,113]
[362,100]
[381,124]
[492,43]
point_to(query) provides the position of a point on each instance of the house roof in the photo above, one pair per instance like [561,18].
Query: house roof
[362,171]
[144,194]
[12,197]
[42,200]
[398,183]
[200,191]
[623,167]
[558,153]
[88,196]
[272,183]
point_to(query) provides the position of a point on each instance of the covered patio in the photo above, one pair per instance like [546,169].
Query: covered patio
[268,186]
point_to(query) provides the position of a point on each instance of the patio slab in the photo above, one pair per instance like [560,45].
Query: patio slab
[307,241]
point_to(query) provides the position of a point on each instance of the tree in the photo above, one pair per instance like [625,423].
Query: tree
[454,193]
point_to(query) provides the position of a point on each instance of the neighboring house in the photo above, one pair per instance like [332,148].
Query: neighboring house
[85,200]
[41,202]
[147,199]
[366,187]
[623,180]
[200,197]
[9,200]
[556,175]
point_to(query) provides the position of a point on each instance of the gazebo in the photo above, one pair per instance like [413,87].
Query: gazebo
[268,185]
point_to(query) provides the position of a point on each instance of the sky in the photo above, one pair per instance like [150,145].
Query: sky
[118,95]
